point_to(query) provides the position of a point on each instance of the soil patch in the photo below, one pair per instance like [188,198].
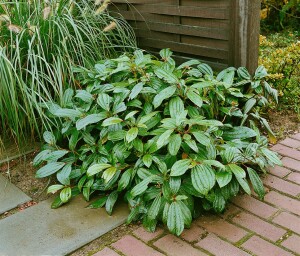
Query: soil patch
[284,123]
[21,173]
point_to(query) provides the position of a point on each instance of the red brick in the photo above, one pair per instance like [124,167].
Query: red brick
[130,246]
[289,221]
[282,185]
[292,243]
[284,202]
[193,234]
[291,143]
[146,236]
[261,247]
[296,136]
[106,252]
[294,177]
[218,247]
[279,171]
[259,226]
[291,163]
[230,212]
[286,151]
[174,246]
[255,206]
[222,228]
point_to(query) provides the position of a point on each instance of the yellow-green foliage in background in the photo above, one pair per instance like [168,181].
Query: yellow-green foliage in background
[280,54]
[278,14]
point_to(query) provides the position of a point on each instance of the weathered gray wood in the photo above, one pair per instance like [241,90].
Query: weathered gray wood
[219,31]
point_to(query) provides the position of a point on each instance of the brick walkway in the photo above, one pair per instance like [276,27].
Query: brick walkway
[248,227]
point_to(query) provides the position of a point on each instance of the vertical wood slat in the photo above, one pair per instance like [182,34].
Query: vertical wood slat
[174,21]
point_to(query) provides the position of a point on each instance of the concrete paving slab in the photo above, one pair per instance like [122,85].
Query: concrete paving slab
[40,230]
[10,195]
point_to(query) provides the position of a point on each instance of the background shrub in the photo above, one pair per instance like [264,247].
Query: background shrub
[40,41]
[280,54]
[172,141]
[279,14]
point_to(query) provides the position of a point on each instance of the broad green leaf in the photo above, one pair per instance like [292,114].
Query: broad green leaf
[49,138]
[49,169]
[154,208]
[111,121]
[165,54]
[214,163]
[174,184]
[109,173]
[116,135]
[110,202]
[84,95]
[164,138]
[56,203]
[166,75]
[256,183]
[271,156]
[125,179]
[175,220]
[205,69]
[54,188]
[174,144]
[73,140]
[192,144]
[229,154]
[187,216]
[203,178]
[90,119]
[63,174]
[223,178]
[164,94]
[98,203]
[243,73]
[244,184]
[202,138]
[131,114]
[209,123]
[55,155]
[96,168]
[141,187]
[136,90]
[147,117]
[237,171]
[195,98]
[180,167]
[176,107]
[166,213]
[104,101]
[147,159]
[40,157]
[219,203]
[67,113]
[240,132]
[249,105]
[65,194]
[132,134]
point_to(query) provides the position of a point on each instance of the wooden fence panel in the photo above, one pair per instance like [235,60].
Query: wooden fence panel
[220,32]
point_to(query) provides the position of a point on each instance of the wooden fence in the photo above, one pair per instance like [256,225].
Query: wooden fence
[220,32]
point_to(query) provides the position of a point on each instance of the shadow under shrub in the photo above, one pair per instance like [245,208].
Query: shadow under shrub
[172,141]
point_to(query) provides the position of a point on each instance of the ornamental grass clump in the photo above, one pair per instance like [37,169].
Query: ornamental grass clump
[40,41]
[170,140]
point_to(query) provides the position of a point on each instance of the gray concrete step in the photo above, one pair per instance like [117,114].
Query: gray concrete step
[10,195]
[40,230]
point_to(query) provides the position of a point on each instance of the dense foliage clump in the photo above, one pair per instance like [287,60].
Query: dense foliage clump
[171,140]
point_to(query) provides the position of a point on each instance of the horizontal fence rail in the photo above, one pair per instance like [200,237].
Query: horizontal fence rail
[221,33]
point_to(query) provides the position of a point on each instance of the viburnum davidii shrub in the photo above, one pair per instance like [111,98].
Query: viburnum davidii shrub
[169,140]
